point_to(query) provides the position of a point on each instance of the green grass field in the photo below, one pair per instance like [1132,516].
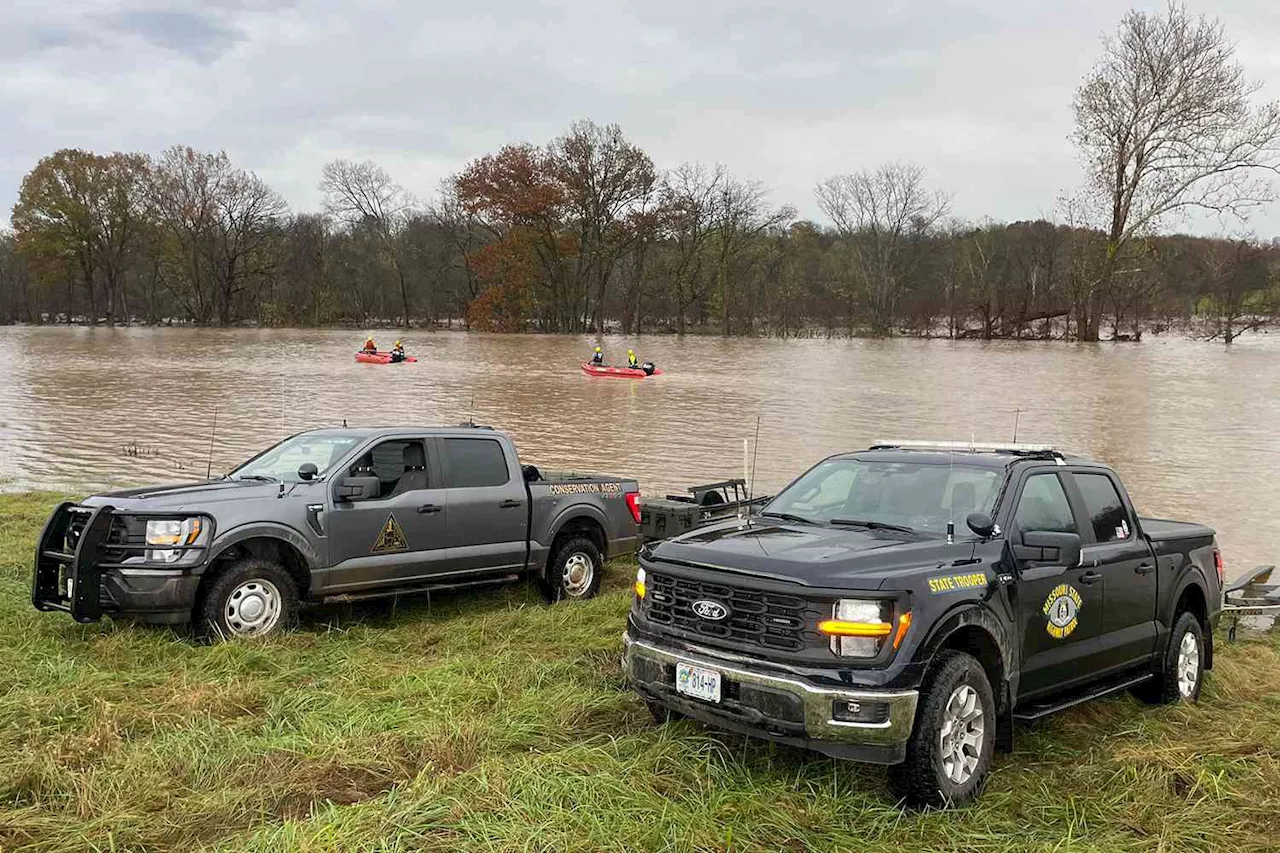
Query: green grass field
[494,722]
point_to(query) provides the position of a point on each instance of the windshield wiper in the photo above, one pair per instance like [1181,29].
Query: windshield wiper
[787,516]
[261,478]
[872,525]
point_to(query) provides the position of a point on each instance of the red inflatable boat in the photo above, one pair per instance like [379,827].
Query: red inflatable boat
[617,372]
[379,358]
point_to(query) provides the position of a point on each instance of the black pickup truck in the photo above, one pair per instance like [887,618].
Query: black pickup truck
[333,515]
[905,604]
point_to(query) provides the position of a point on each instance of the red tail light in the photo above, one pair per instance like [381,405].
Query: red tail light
[633,504]
[1218,564]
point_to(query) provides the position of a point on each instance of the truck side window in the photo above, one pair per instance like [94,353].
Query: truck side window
[1044,506]
[399,465]
[475,462]
[1106,511]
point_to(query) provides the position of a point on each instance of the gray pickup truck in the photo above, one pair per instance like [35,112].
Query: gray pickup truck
[333,515]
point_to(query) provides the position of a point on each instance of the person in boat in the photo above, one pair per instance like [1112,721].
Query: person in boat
[597,357]
[633,361]
[397,352]
[370,347]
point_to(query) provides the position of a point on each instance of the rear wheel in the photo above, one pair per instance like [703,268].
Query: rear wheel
[574,570]
[949,753]
[1182,667]
[250,598]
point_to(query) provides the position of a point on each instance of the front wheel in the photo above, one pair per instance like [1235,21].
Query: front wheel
[250,598]
[1182,667]
[949,753]
[574,570]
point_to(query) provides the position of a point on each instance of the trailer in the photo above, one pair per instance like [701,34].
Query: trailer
[1252,596]
[663,518]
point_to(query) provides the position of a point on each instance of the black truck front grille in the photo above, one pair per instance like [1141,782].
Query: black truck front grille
[766,619]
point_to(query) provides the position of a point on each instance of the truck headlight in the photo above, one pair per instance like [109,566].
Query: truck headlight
[639,586]
[174,532]
[859,627]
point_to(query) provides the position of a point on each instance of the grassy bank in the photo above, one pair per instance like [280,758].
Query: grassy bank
[493,722]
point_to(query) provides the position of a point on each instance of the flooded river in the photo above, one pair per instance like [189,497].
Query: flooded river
[1191,426]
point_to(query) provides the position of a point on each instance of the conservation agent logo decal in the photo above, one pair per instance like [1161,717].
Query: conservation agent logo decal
[391,539]
[1062,608]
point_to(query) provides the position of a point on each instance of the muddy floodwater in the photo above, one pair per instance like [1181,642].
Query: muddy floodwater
[1193,427]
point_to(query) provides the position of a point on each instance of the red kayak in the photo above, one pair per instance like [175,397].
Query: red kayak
[379,358]
[617,372]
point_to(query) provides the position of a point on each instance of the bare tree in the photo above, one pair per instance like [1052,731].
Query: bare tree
[741,213]
[1164,123]
[880,214]
[1241,285]
[363,194]
[219,221]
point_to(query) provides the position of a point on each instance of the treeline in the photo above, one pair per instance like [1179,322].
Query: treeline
[586,232]
[582,234]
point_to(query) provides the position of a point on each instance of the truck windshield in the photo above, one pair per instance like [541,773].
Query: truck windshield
[281,463]
[887,495]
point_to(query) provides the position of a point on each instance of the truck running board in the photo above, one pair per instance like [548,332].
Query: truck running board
[344,598]
[1097,691]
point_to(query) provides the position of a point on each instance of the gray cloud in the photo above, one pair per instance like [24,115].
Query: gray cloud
[199,35]
[978,93]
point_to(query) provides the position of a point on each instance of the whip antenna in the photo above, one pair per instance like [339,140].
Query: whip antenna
[751,483]
[951,497]
[208,471]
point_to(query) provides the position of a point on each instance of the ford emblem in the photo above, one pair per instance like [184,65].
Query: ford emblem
[711,610]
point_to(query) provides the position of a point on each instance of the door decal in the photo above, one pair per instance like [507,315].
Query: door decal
[1062,608]
[391,539]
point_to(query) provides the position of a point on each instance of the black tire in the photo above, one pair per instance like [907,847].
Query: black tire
[240,592]
[1166,688]
[922,779]
[564,578]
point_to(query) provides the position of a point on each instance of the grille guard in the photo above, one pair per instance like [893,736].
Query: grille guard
[93,557]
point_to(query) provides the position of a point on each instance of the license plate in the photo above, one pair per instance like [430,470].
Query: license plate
[697,682]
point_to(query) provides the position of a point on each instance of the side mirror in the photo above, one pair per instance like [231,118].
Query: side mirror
[1049,546]
[980,523]
[308,471]
[353,489]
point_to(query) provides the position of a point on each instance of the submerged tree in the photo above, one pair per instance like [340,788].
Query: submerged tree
[1166,122]
[363,195]
[881,215]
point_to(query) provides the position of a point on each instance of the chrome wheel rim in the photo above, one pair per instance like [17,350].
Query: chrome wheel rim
[253,608]
[960,740]
[1188,664]
[579,572]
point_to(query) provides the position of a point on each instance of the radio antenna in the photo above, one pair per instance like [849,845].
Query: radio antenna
[208,471]
[1016,413]
[751,483]
[951,497]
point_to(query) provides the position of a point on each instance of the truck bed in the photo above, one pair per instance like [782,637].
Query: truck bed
[1163,530]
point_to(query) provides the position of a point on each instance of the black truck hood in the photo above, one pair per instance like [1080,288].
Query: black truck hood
[813,555]
[185,494]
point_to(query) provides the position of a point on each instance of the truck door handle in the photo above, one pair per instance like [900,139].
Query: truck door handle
[1145,569]
[1089,578]
[429,508]
[509,504]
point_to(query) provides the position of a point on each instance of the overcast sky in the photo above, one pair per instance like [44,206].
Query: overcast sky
[978,93]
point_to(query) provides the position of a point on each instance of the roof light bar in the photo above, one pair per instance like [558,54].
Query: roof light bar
[966,446]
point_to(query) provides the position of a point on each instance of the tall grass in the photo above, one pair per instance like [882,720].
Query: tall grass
[492,722]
